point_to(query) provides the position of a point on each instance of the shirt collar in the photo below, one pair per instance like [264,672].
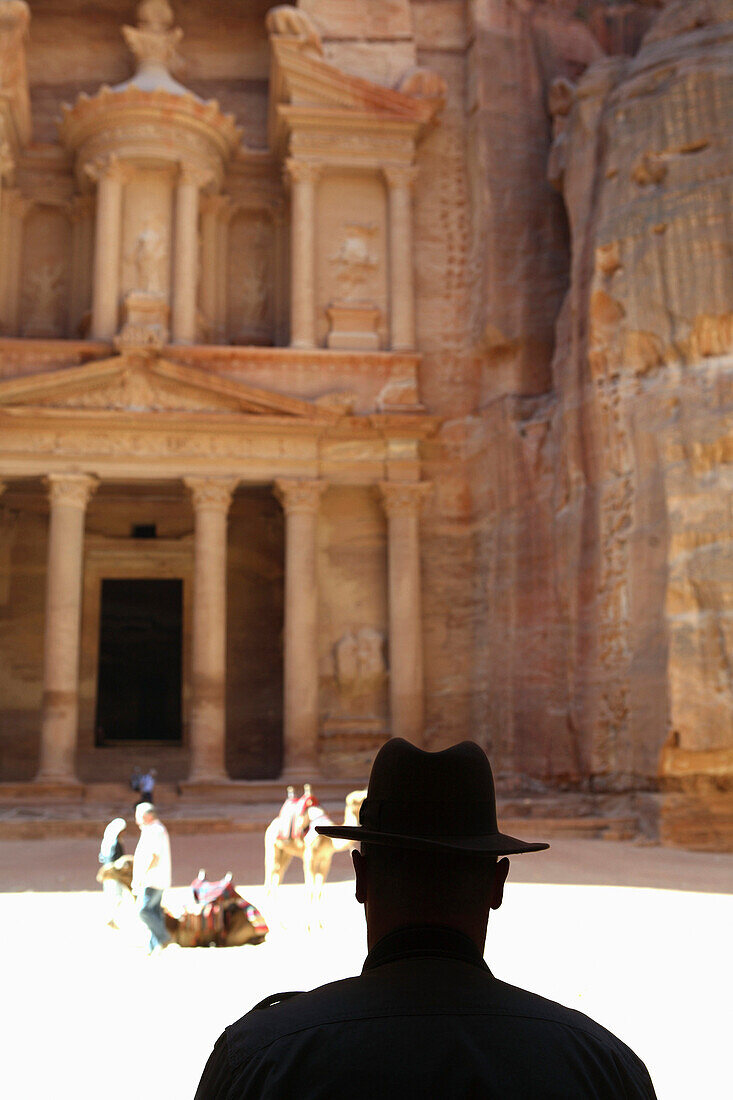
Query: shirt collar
[420,941]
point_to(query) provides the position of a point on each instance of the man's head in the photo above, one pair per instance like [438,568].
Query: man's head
[404,886]
[145,813]
[431,845]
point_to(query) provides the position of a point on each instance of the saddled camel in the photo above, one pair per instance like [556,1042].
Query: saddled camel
[314,850]
[241,924]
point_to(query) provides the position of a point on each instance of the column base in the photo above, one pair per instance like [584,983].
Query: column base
[56,786]
[200,785]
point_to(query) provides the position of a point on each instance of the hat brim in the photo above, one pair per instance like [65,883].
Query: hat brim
[497,844]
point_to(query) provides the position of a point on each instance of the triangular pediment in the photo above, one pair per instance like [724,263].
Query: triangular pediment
[143,384]
[308,80]
[302,80]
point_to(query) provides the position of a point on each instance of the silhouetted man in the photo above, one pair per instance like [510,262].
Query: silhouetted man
[426,1018]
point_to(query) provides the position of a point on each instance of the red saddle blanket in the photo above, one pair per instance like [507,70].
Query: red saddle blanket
[293,819]
[210,922]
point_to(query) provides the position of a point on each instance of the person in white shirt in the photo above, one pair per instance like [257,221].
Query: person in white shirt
[151,873]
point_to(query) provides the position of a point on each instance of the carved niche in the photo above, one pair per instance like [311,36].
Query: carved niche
[352,249]
[45,272]
[359,662]
[250,279]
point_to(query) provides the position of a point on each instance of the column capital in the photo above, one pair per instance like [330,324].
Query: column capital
[404,497]
[107,167]
[219,206]
[400,175]
[195,175]
[302,171]
[299,494]
[213,493]
[74,489]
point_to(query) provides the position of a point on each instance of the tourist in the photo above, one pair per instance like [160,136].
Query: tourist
[426,1017]
[147,785]
[151,874]
[110,850]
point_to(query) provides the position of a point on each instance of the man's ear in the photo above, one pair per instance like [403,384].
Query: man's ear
[497,885]
[360,871]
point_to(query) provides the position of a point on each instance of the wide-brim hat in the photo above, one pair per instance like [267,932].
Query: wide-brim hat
[431,800]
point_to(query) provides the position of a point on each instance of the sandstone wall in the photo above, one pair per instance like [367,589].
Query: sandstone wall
[601,493]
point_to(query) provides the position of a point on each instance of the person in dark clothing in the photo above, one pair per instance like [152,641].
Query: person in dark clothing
[426,1017]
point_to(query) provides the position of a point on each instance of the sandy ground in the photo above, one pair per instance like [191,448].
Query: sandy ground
[639,938]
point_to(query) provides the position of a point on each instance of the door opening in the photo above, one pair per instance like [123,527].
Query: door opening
[139,676]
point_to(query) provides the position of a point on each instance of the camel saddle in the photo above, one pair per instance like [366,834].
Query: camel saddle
[209,921]
[293,819]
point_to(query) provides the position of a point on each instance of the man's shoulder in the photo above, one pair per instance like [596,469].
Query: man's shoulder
[281,1014]
[410,989]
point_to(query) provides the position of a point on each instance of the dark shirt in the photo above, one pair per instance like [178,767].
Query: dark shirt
[426,1018]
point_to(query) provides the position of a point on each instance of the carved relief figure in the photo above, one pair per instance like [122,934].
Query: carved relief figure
[359,657]
[44,295]
[149,252]
[355,259]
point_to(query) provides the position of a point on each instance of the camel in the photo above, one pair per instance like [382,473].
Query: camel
[314,850]
[238,923]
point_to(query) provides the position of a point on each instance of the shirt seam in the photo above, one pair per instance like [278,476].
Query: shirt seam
[611,1047]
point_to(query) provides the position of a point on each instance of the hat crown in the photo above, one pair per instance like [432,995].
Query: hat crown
[446,793]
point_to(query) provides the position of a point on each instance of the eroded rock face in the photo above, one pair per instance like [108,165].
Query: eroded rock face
[644,368]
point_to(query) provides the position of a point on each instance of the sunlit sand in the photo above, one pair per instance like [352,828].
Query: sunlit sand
[652,965]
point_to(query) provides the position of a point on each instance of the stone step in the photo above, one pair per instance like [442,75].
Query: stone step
[183,820]
[229,792]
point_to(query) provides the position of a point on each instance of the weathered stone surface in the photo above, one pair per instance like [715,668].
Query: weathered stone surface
[568,166]
[643,368]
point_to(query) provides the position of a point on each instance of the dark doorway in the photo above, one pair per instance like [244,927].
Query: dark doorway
[139,681]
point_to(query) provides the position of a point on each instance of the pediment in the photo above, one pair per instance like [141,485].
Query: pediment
[309,80]
[301,79]
[137,384]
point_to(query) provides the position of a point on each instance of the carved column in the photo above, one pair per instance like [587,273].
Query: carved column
[211,499]
[224,210]
[303,176]
[80,212]
[68,496]
[7,168]
[210,212]
[108,231]
[300,500]
[13,211]
[185,270]
[280,276]
[402,502]
[400,180]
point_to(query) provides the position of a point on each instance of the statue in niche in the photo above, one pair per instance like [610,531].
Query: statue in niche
[44,291]
[255,285]
[360,666]
[149,253]
[354,259]
[253,289]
